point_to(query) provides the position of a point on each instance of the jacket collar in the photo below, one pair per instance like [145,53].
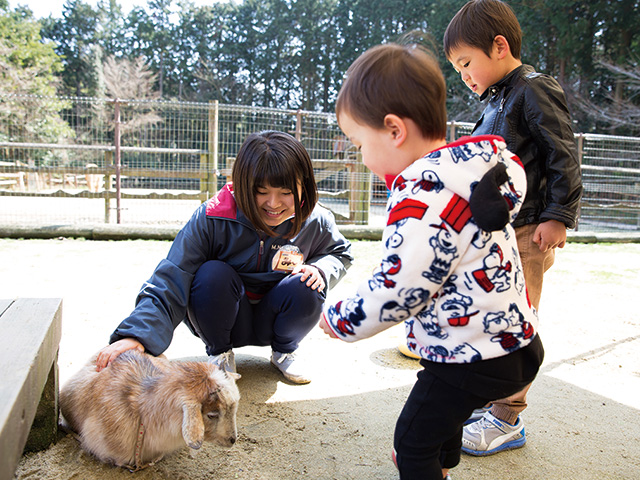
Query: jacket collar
[506,80]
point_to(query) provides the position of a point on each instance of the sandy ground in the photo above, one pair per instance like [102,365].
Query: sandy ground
[582,422]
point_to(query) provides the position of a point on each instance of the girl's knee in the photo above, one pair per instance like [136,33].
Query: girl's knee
[217,274]
[299,293]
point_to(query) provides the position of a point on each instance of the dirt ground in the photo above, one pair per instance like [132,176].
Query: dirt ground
[582,422]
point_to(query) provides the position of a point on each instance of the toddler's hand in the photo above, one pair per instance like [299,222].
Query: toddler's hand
[311,275]
[325,327]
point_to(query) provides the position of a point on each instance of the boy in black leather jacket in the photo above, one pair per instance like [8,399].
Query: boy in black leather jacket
[529,110]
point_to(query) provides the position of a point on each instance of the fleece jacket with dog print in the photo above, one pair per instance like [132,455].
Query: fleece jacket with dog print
[459,288]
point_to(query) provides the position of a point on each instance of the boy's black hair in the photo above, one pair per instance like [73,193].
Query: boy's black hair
[478,23]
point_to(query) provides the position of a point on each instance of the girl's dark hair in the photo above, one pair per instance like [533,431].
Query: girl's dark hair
[478,23]
[404,80]
[275,159]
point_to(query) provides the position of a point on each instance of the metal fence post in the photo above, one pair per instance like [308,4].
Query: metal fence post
[118,158]
[580,155]
[209,185]
[108,181]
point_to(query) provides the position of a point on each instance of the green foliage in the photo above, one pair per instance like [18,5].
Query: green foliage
[293,53]
[28,66]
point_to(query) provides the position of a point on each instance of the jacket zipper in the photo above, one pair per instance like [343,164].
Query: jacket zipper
[501,105]
[260,253]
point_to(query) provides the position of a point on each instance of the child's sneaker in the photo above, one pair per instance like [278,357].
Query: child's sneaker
[290,368]
[224,361]
[490,435]
[477,414]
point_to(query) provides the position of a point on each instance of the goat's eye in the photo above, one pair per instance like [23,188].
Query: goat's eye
[213,414]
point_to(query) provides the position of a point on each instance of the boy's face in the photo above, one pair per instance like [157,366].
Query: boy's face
[375,145]
[477,70]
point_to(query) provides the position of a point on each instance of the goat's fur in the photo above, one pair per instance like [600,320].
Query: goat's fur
[175,402]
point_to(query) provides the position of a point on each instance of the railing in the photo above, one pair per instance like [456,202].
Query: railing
[159,171]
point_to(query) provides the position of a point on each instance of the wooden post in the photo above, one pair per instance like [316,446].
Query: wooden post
[298,132]
[360,191]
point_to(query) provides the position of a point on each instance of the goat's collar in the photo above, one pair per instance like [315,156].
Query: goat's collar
[138,465]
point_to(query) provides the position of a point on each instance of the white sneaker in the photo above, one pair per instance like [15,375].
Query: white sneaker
[477,414]
[290,368]
[224,361]
[490,435]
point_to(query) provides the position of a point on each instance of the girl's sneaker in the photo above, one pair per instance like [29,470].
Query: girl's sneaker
[225,361]
[290,367]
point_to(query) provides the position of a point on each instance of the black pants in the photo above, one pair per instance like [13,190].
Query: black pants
[428,433]
[221,314]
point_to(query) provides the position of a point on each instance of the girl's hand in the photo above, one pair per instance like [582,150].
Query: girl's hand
[325,327]
[109,353]
[311,275]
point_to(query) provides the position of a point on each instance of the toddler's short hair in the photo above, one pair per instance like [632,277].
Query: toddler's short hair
[478,23]
[404,80]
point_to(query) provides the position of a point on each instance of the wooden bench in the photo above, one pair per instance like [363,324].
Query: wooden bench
[31,330]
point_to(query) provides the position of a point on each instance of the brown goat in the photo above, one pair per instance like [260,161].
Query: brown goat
[141,408]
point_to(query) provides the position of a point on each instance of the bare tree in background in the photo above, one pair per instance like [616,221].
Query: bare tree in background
[132,81]
[618,111]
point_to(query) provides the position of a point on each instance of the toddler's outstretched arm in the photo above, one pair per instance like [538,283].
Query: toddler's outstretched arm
[325,327]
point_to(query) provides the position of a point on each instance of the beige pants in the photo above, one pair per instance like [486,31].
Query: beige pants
[534,263]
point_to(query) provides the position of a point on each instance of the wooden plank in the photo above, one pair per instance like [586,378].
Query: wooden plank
[31,336]
[4,304]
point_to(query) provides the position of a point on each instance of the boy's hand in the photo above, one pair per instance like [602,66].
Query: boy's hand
[311,275]
[550,234]
[109,353]
[325,327]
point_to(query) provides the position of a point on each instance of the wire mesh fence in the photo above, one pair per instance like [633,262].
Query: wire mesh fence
[80,161]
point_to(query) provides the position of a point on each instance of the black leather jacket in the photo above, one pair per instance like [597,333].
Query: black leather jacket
[529,110]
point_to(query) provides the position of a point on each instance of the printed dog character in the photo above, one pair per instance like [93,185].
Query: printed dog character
[481,239]
[430,182]
[464,353]
[495,271]
[403,210]
[389,266]
[353,315]
[498,323]
[518,276]
[467,151]
[140,408]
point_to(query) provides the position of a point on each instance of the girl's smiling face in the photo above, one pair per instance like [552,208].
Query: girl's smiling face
[276,204]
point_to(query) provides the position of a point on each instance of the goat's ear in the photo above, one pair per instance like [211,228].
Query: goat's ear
[235,376]
[192,424]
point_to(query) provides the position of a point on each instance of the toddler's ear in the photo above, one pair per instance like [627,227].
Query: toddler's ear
[489,208]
